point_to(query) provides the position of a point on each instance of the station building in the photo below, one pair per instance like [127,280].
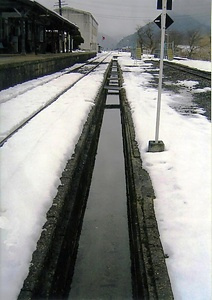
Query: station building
[87,24]
[26,26]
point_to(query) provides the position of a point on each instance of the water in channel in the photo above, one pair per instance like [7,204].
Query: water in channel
[103,267]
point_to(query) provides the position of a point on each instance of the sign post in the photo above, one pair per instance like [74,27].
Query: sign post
[163,24]
[158,146]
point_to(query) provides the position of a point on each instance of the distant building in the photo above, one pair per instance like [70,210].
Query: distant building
[88,26]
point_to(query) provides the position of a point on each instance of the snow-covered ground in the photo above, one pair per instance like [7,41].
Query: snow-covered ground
[196,64]
[32,162]
[181,177]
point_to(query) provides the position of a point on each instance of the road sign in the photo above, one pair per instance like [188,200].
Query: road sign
[169,21]
[168,4]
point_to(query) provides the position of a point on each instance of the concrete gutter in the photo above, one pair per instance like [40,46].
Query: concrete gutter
[149,272]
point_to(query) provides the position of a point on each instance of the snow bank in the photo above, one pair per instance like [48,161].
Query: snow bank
[32,162]
[31,166]
[181,177]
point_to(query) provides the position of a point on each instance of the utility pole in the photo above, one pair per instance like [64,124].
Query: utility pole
[60,7]
[60,4]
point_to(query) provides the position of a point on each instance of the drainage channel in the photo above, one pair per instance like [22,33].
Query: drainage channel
[103,266]
[101,239]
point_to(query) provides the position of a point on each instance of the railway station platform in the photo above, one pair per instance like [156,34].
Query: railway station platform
[17,68]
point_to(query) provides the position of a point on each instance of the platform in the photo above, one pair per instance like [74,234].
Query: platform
[17,68]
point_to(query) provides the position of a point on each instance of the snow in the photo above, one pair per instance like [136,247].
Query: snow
[181,177]
[202,65]
[33,160]
[196,64]
[31,165]
[24,108]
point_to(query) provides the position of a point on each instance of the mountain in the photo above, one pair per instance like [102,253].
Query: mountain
[185,23]
[182,24]
[128,41]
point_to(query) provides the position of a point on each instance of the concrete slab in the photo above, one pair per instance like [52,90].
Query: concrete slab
[112,87]
[156,147]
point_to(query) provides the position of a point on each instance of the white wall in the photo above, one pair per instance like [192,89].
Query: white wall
[87,25]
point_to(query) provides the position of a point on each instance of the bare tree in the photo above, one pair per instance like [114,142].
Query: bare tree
[140,38]
[175,37]
[193,39]
[147,37]
[204,50]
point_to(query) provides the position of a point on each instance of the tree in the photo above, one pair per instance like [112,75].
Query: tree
[148,37]
[193,39]
[175,37]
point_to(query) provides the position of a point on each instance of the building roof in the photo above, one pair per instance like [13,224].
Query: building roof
[78,11]
[33,9]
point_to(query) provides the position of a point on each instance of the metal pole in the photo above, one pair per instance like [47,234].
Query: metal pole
[163,25]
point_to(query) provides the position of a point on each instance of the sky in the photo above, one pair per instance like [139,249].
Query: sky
[120,18]
[30,172]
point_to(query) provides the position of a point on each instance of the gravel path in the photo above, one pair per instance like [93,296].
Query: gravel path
[195,92]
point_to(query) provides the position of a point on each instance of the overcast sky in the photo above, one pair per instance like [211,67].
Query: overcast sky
[119,18]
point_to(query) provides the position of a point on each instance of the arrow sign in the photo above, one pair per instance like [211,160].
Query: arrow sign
[169,21]
[168,4]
